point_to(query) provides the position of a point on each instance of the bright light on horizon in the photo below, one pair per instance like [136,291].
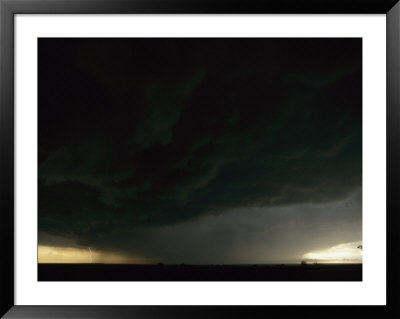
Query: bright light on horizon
[72,255]
[342,253]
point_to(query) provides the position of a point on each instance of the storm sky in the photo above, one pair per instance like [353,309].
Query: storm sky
[203,151]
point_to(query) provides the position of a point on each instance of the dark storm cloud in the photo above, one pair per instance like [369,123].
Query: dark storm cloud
[140,133]
[246,235]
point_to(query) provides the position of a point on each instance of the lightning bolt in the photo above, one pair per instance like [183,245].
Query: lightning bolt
[91,258]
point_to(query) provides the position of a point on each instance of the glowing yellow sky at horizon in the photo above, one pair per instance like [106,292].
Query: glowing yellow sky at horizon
[72,255]
[342,253]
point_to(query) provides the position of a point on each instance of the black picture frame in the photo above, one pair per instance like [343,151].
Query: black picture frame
[8,10]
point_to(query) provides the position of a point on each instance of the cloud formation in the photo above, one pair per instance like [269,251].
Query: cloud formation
[143,133]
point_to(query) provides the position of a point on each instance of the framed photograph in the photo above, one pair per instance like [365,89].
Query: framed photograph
[191,160]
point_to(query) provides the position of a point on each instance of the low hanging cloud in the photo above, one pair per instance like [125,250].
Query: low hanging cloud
[152,132]
[246,235]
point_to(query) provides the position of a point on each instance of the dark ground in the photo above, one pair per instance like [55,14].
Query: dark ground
[123,272]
